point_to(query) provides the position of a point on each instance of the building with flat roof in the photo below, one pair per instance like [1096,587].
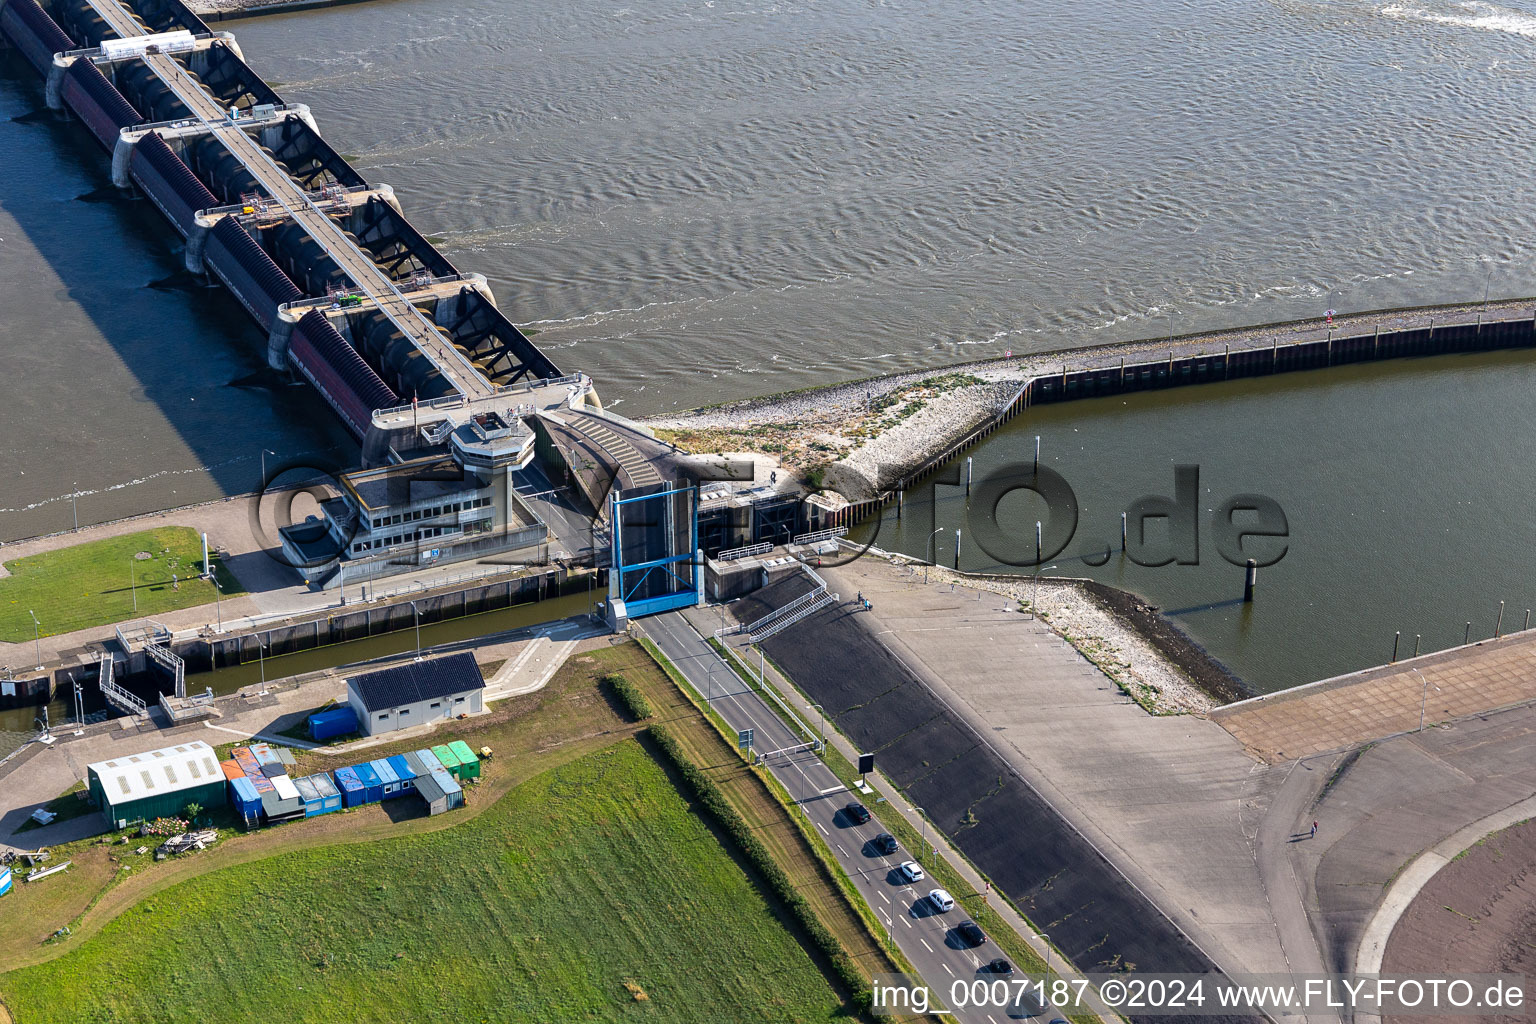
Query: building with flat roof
[417,692]
[156,784]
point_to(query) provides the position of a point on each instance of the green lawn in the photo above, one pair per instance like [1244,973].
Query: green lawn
[93,584]
[589,893]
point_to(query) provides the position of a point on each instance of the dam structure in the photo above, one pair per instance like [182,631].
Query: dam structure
[451,403]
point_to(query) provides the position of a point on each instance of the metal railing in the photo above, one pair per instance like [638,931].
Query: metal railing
[116,695]
[731,554]
[824,599]
[820,535]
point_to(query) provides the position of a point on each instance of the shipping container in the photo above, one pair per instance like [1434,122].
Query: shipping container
[373,786]
[231,770]
[329,794]
[351,787]
[440,791]
[450,786]
[403,771]
[284,787]
[469,764]
[447,759]
[428,761]
[245,799]
[261,782]
[278,808]
[264,754]
[273,770]
[326,725]
[388,778]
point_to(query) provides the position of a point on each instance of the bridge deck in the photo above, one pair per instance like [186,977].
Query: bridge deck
[354,262]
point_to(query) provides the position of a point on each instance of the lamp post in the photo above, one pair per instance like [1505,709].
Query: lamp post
[217,604]
[1047,940]
[1424,698]
[73,508]
[924,816]
[261,658]
[133,583]
[417,614]
[264,453]
[928,550]
[822,712]
[1034,597]
[37,642]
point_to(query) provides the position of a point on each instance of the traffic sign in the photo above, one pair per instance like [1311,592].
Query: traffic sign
[744,739]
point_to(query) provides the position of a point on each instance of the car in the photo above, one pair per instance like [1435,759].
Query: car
[885,843]
[1000,966]
[942,901]
[910,870]
[857,813]
[970,933]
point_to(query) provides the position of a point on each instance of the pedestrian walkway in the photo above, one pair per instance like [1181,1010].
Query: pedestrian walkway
[1362,707]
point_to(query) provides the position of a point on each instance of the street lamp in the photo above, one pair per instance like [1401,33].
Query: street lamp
[261,658]
[924,816]
[74,509]
[1034,597]
[217,605]
[133,583]
[822,712]
[37,643]
[417,614]
[1047,940]
[928,550]
[264,453]
[1424,699]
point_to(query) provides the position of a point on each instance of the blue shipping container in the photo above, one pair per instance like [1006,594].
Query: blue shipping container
[387,776]
[403,772]
[351,787]
[327,725]
[247,801]
[313,805]
[329,794]
[373,786]
[428,760]
[263,754]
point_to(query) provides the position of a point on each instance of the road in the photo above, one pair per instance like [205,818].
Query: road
[925,936]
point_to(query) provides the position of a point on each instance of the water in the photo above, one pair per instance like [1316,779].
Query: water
[700,200]
[1395,479]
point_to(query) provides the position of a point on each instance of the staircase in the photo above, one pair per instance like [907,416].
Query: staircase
[161,654]
[115,695]
[785,621]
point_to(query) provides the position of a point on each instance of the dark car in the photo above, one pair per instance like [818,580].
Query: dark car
[970,933]
[884,843]
[857,813]
[1000,966]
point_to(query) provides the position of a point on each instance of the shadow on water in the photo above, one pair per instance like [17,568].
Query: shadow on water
[125,326]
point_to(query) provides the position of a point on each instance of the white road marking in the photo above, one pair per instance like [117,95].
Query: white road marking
[882,895]
[925,945]
[947,970]
[840,849]
[823,829]
[906,922]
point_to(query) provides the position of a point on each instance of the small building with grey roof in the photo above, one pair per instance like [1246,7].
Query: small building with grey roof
[417,692]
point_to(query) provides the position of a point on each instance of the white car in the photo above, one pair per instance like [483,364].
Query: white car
[942,901]
[910,871]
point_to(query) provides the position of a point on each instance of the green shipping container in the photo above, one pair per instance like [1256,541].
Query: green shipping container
[444,753]
[469,764]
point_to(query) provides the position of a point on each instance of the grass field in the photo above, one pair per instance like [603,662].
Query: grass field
[590,892]
[95,583]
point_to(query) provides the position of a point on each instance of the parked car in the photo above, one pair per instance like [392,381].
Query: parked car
[942,901]
[857,813]
[970,933]
[910,870]
[885,843]
[1000,966]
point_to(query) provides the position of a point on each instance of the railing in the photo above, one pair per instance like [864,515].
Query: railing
[167,659]
[817,536]
[116,695]
[731,554]
[810,609]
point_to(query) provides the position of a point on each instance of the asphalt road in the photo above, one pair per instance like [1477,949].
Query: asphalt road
[924,935]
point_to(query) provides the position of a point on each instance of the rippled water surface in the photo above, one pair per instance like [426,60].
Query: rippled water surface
[699,200]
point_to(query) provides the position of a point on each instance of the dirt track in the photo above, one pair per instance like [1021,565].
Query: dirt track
[1477,915]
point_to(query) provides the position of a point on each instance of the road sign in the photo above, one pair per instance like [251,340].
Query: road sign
[744,739]
[866,763]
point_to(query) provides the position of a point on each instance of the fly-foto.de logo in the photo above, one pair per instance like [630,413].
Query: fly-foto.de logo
[1152,530]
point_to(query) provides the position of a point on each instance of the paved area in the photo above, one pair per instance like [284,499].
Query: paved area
[1173,801]
[1344,712]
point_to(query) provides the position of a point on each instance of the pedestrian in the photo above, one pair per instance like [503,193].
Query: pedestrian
[1314,830]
